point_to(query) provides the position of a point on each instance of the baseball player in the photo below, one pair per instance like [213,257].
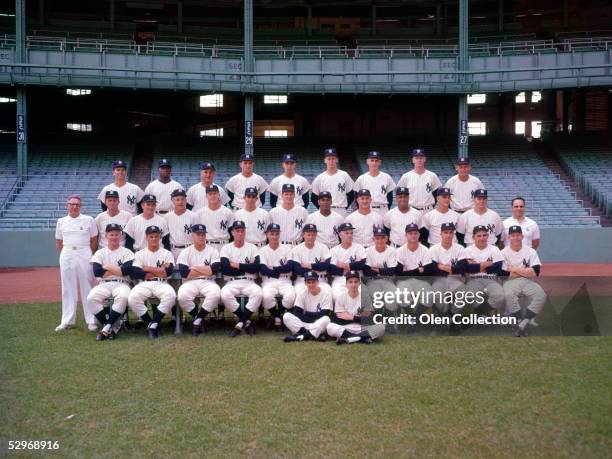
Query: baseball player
[198,265]
[421,182]
[255,218]
[521,263]
[76,237]
[483,268]
[309,318]
[135,234]
[196,195]
[414,261]
[449,263]
[346,256]
[380,183]
[163,187]
[179,222]
[479,215]
[335,181]
[240,266]
[152,265]
[531,230]
[129,194]
[432,221]
[112,265]
[216,218]
[276,269]
[346,323]
[302,187]
[310,255]
[326,221]
[462,186]
[237,185]
[364,219]
[112,215]
[381,265]
[289,217]
[397,218]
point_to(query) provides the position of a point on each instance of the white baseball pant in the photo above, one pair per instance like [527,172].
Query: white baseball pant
[117,290]
[151,289]
[442,285]
[294,324]
[380,285]
[76,275]
[246,287]
[273,287]
[522,286]
[494,291]
[336,331]
[417,286]
[191,289]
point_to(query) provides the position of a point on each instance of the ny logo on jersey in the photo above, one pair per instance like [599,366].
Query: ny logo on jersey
[352,259]
[159,263]
[299,223]
[223,225]
[119,263]
[490,259]
[131,199]
[525,263]
[420,264]
[206,262]
[491,228]
[342,187]
[246,260]
[282,261]
[429,187]
[317,260]
[385,265]
[261,225]
[453,261]
[187,229]
[299,190]
[318,307]
[472,193]
[383,189]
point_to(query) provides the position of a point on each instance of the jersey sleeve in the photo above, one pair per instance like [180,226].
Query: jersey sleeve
[182,258]
[97,257]
[225,251]
[536,232]
[274,186]
[102,194]
[138,263]
[262,185]
[496,255]
[390,184]
[164,227]
[191,194]
[149,189]
[436,182]
[214,256]
[426,222]
[534,259]
[230,185]
[462,223]
[402,181]
[327,302]
[305,186]
[129,228]
[168,257]
[500,225]
[93,228]
[223,196]
[349,182]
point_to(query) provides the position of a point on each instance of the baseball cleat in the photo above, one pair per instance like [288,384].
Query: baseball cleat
[235,332]
[293,338]
[92,327]
[196,330]
[341,341]
[62,327]
[250,328]
[366,340]
[102,336]
[278,324]
[152,333]
[322,338]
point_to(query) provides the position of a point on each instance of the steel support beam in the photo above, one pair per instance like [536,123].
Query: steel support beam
[248,67]
[21,115]
[463,64]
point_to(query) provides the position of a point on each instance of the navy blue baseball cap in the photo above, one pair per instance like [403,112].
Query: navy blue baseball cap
[462,161]
[198,228]
[149,198]
[443,192]
[352,274]
[212,189]
[418,152]
[288,188]
[163,163]
[480,193]
[111,194]
[178,192]
[402,190]
[204,166]
[311,275]
[325,194]
[289,158]
[345,227]
[479,228]
[238,224]
[364,192]
[447,226]
[273,227]
[379,232]
[119,163]
[153,229]
[411,227]
[309,227]
[250,191]
[374,154]
[515,229]
[247,157]
[113,227]
[330,152]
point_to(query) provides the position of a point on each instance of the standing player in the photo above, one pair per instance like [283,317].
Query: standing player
[129,194]
[379,183]
[346,324]
[309,318]
[433,220]
[217,219]
[310,255]
[135,234]
[237,185]
[179,222]
[198,265]
[531,230]
[346,256]
[521,263]
[112,215]
[479,215]
[152,265]
[326,221]
[421,182]
[462,186]
[76,238]
[381,265]
[364,219]
[399,217]
[276,269]
[112,265]
[255,218]
[196,195]
[240,265]
[335,181]
[302,187]
[163,187]
[289,217]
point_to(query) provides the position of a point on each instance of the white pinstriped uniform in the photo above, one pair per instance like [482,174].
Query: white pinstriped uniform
[291,222]
[115,287]
[203,286]
[379,186]
[245,286]
[421,187]
[256,222]
[397,221]
[463,192]
[411,260]
[137,225]
[310,303]
[433,220]
[272,286]
[364,225]
[355,252]
[338,185]
[129,196]
[239,183]
[217,224]
[196,196]
[490,219]
[103,219]
[300,183]
[385,259]
[353,306]
[152,288]
[179,227]
[302,254]
[162,192]
[326,227]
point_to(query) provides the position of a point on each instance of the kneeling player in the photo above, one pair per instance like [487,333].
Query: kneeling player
[309,318]
[346,324]
[153,265]
[112,266]
[198,265]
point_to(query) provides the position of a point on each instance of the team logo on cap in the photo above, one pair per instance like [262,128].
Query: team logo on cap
[113,227]
[152,229]
[112,194]
[212,189]
[164,163]
[198,228]
[309,227]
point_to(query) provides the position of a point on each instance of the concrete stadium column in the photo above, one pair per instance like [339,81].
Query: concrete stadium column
[20,31]
[463,65]
[249,66]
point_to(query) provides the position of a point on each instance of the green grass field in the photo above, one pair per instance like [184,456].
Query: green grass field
[214,396]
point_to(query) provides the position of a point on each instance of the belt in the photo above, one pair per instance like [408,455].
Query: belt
[289,243]
[338,207]
[157,279]
[380,206]
[163,212]
[114,280]
[259,244]
[217,242]
[423,208]
[180,246]
[76,247]
[238,278]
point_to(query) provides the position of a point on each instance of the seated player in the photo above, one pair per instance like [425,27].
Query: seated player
[309,318]
[310,255]
[152,265]
[198,265]
[346,324]
[346,256]
[112,265]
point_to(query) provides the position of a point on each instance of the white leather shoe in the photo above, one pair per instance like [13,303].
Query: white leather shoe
[62,327]
[92,327]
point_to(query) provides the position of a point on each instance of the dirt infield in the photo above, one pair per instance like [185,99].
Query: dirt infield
[42,285]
